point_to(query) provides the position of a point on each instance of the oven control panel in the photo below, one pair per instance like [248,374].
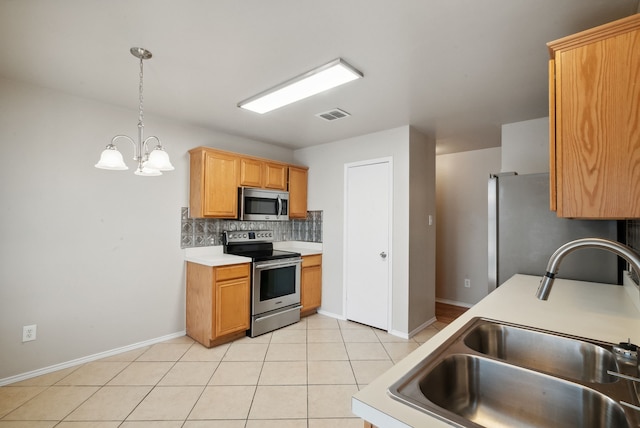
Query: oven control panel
[248,236]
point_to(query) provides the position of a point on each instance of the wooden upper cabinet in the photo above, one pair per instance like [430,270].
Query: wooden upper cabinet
[213,184]
[275,176]
[298,192]
[595,122]
[251,172]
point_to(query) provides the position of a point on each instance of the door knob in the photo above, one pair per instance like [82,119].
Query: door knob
[383,255]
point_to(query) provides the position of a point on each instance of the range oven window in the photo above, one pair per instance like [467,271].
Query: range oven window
[278,282]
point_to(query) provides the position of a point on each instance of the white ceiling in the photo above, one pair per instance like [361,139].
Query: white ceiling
[453,69]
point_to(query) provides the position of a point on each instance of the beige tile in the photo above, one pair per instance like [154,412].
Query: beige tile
[336,423]
[324,336]
[277,423]
[239,423]
[128,355]
[366,351]
[300,325]
[89,424]
[439,325]
[12,397]
[263,338]
[198,352]
[287,352]
[359,335]
[189,373]
[289,336]
[367,371]
[330,373]
[30,424]
[111,403]
[45,379]
[330,401]
[142,373]
[237,373]
[246,352]
[284,373]
[350,325]
[425,334]
[321,322]
[398,351]
[151,424]
[95,373]
[279,402]
[167,403]
[54,403]
[326,351]
[385,337]
[165,352]
[223,402]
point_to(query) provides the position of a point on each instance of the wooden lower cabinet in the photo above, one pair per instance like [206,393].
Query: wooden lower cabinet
[311,284]
[218,302]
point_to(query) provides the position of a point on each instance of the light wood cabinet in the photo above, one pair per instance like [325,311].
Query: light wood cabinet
[298,192]
[213,184]
[311,284]
[251,172]
[275,176]
[218,302]
[595,122]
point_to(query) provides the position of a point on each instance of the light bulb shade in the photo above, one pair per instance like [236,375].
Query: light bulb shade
[159,159]
[111,159]
[145,171]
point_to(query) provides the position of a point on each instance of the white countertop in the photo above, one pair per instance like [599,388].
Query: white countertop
[603,312]
[215,256]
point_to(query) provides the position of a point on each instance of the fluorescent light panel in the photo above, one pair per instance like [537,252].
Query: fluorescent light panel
[325,77]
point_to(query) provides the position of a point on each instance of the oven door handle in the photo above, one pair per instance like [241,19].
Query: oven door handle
[276,264]
[295,308]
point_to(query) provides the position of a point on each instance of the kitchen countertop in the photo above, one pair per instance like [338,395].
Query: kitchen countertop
[215,256]
[603,312]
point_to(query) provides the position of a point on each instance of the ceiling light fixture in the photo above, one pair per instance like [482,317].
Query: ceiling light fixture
[330,75]
[149,164]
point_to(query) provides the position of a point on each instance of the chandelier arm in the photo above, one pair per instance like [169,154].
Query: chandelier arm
[126,137]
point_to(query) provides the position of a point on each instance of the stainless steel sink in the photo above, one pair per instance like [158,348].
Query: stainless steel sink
[494,374]
[549,353]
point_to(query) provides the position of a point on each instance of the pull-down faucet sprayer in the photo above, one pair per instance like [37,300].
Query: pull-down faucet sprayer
[621,250]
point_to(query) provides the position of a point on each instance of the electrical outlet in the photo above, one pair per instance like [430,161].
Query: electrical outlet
[29,333]
[467,283]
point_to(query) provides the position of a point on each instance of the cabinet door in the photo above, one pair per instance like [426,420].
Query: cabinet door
[297,192]
[597,127]
[232,306]
[250,172]
[220,185]
[275,176]
[311,283]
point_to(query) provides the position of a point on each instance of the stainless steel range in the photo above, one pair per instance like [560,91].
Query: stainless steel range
[275,279]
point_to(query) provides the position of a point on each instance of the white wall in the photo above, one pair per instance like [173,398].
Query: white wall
[462,227]
[91,256]
[525,146]
[326,192]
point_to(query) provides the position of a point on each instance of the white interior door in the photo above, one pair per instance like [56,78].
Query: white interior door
[367,242]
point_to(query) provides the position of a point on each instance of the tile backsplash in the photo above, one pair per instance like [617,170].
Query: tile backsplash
[201,232]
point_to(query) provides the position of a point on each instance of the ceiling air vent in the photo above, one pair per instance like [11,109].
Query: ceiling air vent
[333,114]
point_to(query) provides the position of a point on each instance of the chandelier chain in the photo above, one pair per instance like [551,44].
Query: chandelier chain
[141,99]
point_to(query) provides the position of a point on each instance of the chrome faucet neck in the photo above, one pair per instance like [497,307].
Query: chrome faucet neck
[617,248]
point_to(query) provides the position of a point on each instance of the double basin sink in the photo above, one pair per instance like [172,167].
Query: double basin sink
[495,374]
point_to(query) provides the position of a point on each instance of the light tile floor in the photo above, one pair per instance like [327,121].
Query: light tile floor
[301,376]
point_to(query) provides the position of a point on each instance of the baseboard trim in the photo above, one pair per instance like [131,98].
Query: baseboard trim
[332,315]
[88,358]
[421,327]
[454,303]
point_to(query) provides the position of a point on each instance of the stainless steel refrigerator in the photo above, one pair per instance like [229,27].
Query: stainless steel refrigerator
[524,233]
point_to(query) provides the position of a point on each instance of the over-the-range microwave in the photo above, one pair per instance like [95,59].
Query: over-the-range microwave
[262,204]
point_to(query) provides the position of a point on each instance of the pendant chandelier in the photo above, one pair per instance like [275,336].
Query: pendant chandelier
[149,164]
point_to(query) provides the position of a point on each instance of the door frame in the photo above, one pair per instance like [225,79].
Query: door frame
[389,161]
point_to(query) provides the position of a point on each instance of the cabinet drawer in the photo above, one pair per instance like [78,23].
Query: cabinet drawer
[314,260]
[230,272]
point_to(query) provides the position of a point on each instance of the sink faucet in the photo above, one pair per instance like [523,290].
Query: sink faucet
[621,250]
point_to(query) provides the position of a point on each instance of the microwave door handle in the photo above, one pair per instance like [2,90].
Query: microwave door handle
[279,206]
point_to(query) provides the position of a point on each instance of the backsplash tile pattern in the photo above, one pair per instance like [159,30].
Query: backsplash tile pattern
[198,232]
